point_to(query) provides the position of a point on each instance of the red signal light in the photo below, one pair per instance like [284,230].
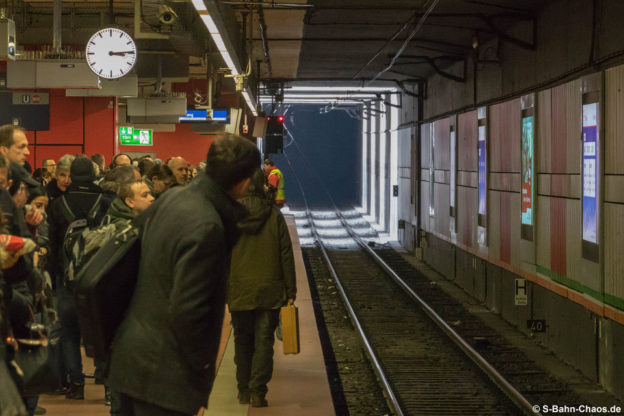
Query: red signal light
[280,119]
[269,118]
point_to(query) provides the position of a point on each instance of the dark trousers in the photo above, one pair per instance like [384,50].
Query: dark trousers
[70,335]
[253,348]
[134,407]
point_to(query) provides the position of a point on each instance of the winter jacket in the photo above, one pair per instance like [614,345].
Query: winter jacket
[262,274]
[53,191]
[80,199]
[165,349]
[120,214]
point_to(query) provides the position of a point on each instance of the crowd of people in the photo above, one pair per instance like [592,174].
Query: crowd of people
[162,358]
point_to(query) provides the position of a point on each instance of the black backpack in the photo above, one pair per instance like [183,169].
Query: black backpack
[104,288]
[84,236]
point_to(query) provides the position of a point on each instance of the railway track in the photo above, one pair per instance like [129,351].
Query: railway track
[420,368]
[431,356]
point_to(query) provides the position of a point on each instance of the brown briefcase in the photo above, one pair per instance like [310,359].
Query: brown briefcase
[289,315]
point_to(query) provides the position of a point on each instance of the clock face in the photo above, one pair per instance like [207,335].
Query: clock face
[111,53]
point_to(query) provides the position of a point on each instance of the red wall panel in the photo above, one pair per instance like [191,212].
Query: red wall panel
[66,120]
[467,141]
[558,152]
[558,235]
[55,152]
[183,142]
[99,126]
[505,227]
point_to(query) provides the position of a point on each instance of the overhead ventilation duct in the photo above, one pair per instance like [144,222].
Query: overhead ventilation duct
[51,73]
[125,87]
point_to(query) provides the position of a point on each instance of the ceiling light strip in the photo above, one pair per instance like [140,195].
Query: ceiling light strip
[220,44]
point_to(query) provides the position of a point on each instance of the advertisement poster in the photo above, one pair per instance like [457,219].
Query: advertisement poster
[590,172]
[527,170]
[482,171]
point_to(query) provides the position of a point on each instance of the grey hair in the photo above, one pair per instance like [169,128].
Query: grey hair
[65,162]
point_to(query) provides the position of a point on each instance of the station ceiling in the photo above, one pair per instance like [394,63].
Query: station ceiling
[309,39]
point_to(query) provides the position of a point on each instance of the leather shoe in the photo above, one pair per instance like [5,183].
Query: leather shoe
[76,392]
[258,401]
[243,397]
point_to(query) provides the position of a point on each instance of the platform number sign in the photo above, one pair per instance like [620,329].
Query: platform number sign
[536,325]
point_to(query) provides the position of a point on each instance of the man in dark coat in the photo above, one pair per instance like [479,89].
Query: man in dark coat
[81,197]
[163,356]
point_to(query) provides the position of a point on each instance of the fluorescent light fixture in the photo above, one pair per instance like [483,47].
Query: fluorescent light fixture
[320,89]
[249,102]
[217,39]
[209,22]
[312,101]
[199,5]
[328,97]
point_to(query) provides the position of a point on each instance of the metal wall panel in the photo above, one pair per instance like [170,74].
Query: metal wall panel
[574,109]
[442,140]
[494,223]
[467,141]
[544,127]
[558,236]
[425,131]
[505,137]
[614,189]
[614,120]
[614,246]
[467,216]
[405,211]
[424,206]
[579,269]
[558,154]
[515,228]
[505,227]
[442,202]
[543,231]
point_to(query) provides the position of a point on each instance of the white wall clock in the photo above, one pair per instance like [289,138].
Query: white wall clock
[111,53]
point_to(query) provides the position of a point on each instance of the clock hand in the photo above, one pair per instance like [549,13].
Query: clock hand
[111,53]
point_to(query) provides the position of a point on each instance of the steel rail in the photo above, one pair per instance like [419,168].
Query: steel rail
[393,403]
[509,390]
[514,395]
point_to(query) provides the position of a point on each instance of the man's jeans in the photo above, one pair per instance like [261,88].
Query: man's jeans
[253,348]
[70,335]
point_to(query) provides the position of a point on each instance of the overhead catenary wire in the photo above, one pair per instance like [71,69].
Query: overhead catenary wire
[429,8]
[419,25]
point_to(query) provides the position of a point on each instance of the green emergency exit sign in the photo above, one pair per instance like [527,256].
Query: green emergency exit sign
[135,137]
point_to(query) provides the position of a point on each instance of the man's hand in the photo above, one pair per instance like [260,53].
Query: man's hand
[34,217]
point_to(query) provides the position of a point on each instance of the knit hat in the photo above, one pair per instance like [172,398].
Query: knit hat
[81,170]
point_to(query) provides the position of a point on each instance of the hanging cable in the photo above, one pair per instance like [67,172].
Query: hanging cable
[431,5]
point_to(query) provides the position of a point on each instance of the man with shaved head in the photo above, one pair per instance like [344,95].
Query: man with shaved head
[180,168]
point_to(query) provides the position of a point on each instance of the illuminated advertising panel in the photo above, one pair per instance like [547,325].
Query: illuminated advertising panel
[482,171]
[590,172]
[453,181]
[527,170]
[482,176]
